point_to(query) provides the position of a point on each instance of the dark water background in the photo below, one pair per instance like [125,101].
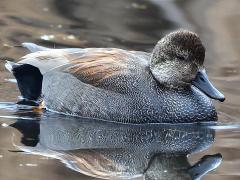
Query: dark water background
[127,24]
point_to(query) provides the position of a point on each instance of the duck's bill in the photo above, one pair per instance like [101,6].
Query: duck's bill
[202,83]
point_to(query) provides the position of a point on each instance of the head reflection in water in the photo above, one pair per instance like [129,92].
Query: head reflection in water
[110,150]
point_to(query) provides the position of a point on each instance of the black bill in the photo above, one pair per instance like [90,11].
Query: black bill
[202,82]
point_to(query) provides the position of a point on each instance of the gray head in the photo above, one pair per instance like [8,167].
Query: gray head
[177,62]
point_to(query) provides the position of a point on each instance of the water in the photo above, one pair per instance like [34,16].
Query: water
[42,145]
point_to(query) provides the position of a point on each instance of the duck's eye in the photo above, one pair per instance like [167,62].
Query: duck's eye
[182,58]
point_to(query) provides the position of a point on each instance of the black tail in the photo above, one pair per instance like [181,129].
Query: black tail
[29,80]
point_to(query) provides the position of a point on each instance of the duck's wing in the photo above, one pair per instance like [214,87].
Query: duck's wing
[108,68]
[44,58]
[93,62]
[102,67]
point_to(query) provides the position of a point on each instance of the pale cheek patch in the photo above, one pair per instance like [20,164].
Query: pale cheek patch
[173,73]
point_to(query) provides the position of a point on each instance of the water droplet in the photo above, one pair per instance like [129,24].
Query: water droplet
[31,165]
[59,26]
[45,9]
[71,37]
[4,125]
[47,37]
[139,6]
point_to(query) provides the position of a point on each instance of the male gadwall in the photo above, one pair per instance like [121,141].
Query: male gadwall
[169,85]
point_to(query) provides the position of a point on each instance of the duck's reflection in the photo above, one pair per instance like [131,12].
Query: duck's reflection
[111,150]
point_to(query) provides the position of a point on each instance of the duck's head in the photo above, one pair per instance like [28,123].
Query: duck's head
[177,62]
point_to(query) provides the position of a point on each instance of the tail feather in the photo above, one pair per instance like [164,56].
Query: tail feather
[34,47]
[29,80]
[9,65]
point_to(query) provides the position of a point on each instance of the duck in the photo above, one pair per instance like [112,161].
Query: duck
[167,85]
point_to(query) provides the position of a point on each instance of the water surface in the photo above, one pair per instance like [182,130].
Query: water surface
[41,145]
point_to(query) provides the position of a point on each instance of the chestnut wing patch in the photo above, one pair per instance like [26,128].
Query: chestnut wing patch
[111,69]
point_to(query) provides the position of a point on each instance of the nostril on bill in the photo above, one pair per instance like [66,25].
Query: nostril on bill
[202,79]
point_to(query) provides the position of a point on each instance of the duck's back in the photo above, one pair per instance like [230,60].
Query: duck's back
[104,83]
